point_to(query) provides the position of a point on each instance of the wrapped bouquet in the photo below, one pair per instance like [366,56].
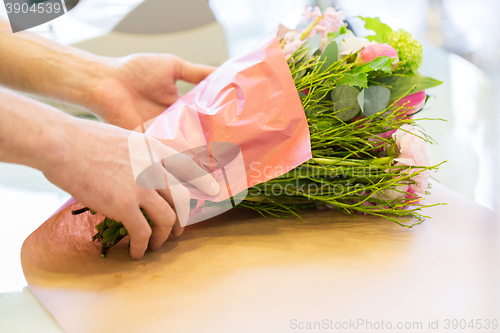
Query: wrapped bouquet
[360,96]
[321,118]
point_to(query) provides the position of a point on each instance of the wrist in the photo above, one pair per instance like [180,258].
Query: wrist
[56,146]
[83,78]
[31,133]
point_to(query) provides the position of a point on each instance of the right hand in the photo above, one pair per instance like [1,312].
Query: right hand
[94,166]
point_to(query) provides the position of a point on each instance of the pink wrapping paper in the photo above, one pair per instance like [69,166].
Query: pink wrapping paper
[244,124]
[249,102]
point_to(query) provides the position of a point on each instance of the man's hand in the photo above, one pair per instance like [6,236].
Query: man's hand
[124,91]
[92,162]
[96,170]
[140,87]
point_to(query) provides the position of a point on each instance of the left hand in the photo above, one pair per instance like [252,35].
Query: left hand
[140,87]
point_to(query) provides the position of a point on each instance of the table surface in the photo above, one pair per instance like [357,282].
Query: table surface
[240,272]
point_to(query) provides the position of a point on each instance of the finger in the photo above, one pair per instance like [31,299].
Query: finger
[162,217]
[193,73]
[183,203]
[185,169]
[139,231]
[179,197]
[177,230]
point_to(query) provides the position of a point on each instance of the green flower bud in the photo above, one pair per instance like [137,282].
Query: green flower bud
[409,49]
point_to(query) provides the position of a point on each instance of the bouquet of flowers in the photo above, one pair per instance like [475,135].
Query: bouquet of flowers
[359,97]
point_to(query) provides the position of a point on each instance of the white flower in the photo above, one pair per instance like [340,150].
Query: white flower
[351,44]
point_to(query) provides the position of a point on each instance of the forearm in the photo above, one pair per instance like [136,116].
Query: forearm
[31,133]
[33,64]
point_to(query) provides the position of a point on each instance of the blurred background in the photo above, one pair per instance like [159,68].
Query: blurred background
[461,45]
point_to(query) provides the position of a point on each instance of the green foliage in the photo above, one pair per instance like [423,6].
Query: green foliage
[358,76]
[343,30]
[381,30]
[401,85]
[308,49]
[373,100]
[329,57]
[345,102]
[354,80]
[383,64]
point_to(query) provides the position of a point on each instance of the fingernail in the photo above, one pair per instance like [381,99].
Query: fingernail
[214,188]
[138,257]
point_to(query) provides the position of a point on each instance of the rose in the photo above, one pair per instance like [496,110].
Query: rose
[412,103]
[413,151]
[374,51]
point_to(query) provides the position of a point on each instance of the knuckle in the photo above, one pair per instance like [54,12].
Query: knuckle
[143,234]
[148,195]
[170,217]
[129,202]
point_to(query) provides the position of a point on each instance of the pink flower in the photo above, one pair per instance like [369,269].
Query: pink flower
[291,47]
[411,196]
[331,21]
[413,152]
[414,103]
[387,134]
[374,51]
[310,15]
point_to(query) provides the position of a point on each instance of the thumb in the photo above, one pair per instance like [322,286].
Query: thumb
[193,73]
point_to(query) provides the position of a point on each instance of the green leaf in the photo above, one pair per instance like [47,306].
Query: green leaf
[330,55]
[383,64]
[345,100]
[354,80]
[333,35]
[343,30]
[306,51]
[300,54]
[313,44]
[374,99]
[381,30]
[401,85]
